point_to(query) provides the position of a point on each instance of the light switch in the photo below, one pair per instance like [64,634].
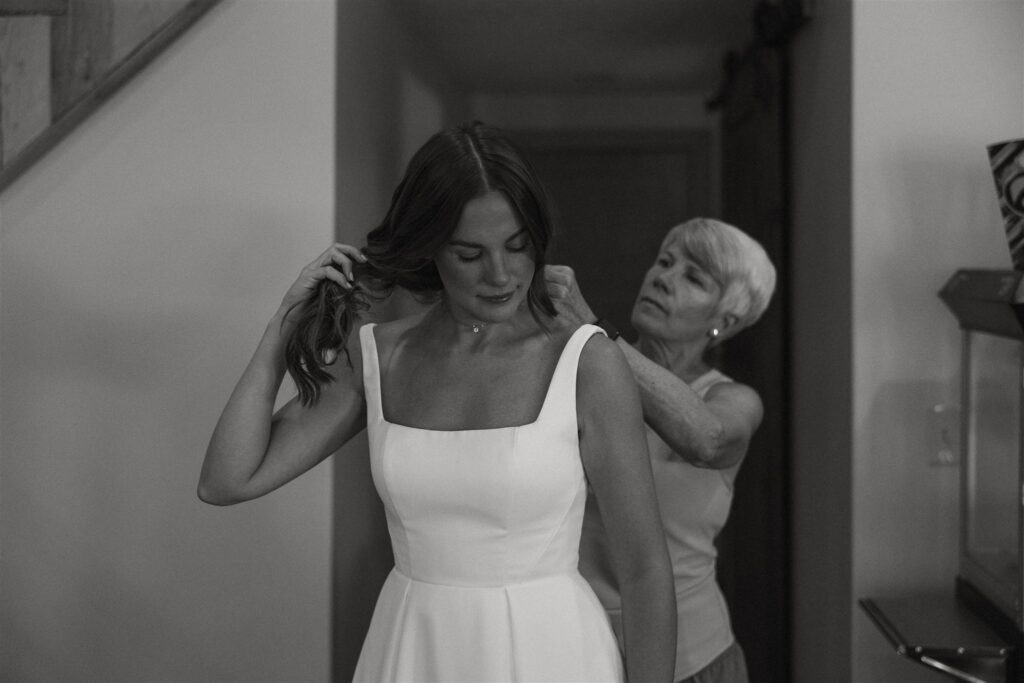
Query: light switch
[943,438]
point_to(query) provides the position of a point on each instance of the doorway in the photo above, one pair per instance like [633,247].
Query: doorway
[615,196]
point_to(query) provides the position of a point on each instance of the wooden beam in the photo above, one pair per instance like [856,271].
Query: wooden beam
[17,8]
[112,81]
[83,49]
[24,82]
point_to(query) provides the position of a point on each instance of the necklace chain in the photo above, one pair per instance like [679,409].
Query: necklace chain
[475,326]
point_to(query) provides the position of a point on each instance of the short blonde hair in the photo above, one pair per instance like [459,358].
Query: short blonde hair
[737,262]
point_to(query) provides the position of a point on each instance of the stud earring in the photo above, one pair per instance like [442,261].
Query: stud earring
[713,332]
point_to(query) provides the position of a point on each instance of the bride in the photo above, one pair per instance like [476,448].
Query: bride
[487,420]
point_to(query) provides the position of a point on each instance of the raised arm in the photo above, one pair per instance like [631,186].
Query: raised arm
[614,452]
[253,450]
[712,432]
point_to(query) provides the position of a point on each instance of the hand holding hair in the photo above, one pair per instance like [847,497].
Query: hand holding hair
[334,264]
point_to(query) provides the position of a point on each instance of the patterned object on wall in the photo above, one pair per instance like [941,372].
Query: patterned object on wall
[61,59]
[1007,160]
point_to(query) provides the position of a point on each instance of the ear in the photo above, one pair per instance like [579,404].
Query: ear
[726,325]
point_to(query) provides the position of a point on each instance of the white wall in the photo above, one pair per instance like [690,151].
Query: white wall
[139,262]
[934,83]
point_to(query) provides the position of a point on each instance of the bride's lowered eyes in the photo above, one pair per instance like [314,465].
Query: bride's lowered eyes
[516,244]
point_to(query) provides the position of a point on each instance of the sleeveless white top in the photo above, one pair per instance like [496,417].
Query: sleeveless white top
[485,525]
[694,503]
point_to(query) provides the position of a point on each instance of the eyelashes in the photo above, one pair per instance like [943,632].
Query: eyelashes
[515,249]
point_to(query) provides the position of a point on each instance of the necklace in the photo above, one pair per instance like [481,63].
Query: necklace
[475,326]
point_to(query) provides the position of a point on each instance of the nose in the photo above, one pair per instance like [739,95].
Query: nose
[662,279]
[497,271]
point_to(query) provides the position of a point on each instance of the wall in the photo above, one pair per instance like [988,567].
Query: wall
[575,111]
[422,115]
[598,112]
[368,143]
[388,102]
[139,262]
[821,347]
[430,98]
[892,193]
[924,204]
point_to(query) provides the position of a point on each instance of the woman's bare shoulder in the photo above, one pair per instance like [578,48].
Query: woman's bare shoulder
[348,364]
[389,332]
[603,365]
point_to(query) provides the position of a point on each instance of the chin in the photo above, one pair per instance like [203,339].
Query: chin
[643,324]
[498,313]
[637,318]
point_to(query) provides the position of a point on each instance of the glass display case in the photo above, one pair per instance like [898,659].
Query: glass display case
[977,634]
[989,306]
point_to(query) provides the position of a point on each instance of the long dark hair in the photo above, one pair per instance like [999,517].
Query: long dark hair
[454,166]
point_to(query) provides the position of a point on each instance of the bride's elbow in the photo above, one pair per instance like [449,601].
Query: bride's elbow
[211,493]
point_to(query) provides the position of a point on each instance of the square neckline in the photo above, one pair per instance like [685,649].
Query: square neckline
[543,407]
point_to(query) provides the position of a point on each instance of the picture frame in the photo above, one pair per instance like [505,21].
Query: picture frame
[92,48]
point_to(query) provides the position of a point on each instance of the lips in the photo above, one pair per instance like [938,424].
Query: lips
[652,302]
[498,298]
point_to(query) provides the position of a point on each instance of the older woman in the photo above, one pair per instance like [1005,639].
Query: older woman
[709,281]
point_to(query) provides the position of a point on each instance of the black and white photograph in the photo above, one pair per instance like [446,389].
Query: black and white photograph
[511,341]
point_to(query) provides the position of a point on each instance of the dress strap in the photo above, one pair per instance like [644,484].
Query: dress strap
[371,372]
[561,396]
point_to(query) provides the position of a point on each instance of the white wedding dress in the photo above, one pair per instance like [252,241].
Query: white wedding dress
[485,526]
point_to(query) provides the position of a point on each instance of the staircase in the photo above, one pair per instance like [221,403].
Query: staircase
[61,59]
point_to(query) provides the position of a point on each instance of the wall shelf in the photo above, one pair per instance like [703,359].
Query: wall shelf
[938,631]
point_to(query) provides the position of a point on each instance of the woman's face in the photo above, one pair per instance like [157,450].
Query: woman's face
[488,264]
[678,299]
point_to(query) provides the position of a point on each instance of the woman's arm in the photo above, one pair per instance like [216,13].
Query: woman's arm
[614,451]
[254,451]
[712,432]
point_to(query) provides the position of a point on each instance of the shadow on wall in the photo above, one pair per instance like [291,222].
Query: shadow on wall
[913,501]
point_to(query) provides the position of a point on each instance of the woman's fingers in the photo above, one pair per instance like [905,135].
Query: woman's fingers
[342,255]
[559,280]
[351,251]
[565,293]
[329,273]
[562,275]
[557,291]
[337,257]
[334,264]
